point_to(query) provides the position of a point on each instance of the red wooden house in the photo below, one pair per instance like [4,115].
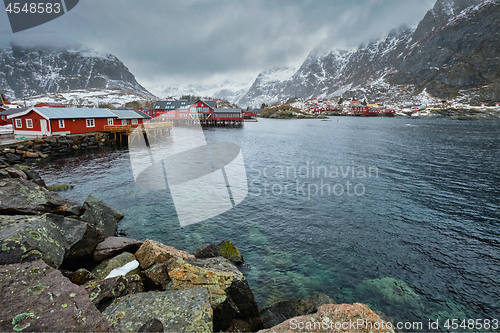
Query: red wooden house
[57,121]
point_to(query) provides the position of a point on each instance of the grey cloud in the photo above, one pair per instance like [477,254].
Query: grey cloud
[166,41]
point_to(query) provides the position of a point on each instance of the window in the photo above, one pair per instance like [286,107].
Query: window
[61,123]
[3,117]
[124,122]
[90,123]
[19,123]
[135,122]
[110,121]
[29,123]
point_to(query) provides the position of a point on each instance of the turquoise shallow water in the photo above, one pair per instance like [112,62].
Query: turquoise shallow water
[418,238]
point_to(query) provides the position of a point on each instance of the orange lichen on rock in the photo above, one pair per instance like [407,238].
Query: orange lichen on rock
[152,252]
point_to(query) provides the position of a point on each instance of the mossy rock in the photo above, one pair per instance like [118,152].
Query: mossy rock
[224,249]
[229,251]
[59,187]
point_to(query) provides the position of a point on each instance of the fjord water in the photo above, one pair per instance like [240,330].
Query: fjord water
[418,238]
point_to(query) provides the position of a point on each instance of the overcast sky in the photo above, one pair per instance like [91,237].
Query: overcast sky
[202,41]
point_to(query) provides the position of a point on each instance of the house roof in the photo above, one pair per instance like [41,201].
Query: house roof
[144,115]
[67,113]
[129,114]
[8,112]
[173,105]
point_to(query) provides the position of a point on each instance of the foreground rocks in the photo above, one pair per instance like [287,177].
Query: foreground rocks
[356,318]
[230,295]
[21,196]
[177,310]
[41,299]
[48,237]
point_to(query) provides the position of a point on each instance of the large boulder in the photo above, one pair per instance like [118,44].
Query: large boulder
[40,299]
[152,252]
[224,249]
[177,310]
[106,266]
[230,294]
[20,196]
[113,246]
[48,237]
[281,311]
[102,292]
[100,215]
[355,318]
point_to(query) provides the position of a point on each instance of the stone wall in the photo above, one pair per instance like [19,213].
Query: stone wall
[52,145]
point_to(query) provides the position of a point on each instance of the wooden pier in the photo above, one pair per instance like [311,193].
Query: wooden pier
[156,130]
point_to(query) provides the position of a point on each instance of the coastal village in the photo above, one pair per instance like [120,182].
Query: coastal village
[45,118]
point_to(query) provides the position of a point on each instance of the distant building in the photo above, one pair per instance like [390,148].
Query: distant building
[49,105]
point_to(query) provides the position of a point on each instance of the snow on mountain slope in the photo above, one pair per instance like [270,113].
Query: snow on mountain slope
[228,91]
[266,87]
[86,97]
[451,54]
[29,71]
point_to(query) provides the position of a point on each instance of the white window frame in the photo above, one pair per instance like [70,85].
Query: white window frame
[111,121]
[135,121]
[90,122]
[29,123]
[124,122]
[19,123]
[61,123]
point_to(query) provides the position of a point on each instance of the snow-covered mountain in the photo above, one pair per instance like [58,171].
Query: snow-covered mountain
[228,91]
[30,71]
[451,54]
[266,88]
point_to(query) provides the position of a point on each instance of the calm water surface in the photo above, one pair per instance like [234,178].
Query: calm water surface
[415,233]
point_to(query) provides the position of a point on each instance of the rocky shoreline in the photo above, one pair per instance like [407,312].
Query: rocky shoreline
[62,268]
[17,153]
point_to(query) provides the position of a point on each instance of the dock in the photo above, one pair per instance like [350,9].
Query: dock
[155,130]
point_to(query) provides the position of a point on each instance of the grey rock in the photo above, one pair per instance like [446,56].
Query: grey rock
[40,299]
[19,196]
[100,215]
[48,237]
[178,311]
[112,246]
[102,292]
[282,311]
